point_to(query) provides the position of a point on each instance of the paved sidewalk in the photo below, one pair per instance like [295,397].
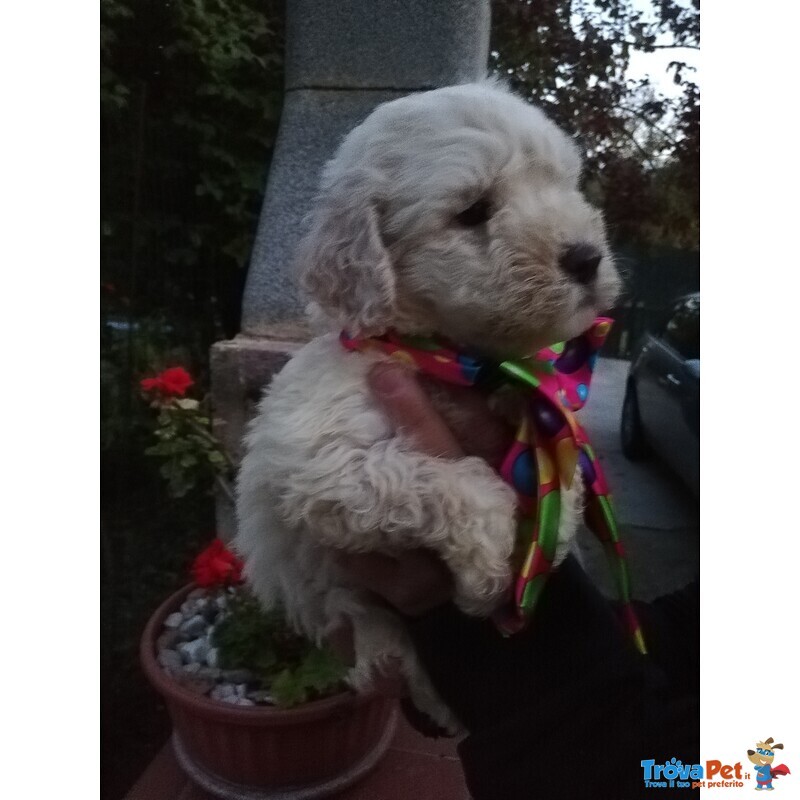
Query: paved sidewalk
[658,516]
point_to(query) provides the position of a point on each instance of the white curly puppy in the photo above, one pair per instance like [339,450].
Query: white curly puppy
[455,212]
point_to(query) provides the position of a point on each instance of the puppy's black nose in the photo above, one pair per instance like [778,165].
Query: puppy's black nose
[581,261]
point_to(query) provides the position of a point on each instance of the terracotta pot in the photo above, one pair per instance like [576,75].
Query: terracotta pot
[263,752]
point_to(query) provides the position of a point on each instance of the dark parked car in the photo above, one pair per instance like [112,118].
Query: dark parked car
[661,410]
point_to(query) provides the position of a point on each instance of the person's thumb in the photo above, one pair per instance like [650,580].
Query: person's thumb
[405,401]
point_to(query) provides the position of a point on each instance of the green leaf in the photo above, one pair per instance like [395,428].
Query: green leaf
[321,670]
[288,690]
[292,668]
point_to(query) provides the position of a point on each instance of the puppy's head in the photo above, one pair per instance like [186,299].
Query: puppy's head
[765,752]
[457,212]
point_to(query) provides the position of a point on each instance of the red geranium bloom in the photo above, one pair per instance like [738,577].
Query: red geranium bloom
[150,384]
[217,566]
[174,381]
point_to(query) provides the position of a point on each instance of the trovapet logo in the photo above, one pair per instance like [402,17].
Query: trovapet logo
[716,774]
[671,775]
[677,775]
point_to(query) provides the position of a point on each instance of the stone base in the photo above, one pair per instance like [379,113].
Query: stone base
[241,369]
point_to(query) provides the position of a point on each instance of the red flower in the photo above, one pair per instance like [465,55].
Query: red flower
[150,384]
[172,382]
[176,381]
[217,566]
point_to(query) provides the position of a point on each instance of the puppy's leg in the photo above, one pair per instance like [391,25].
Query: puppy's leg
[386,497]
[379,637]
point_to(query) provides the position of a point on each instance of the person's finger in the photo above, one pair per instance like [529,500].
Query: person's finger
[479,430]
[409,408]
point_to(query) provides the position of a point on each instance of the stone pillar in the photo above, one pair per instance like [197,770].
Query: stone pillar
[343,58]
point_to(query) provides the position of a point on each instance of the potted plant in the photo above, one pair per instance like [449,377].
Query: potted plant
[257,710]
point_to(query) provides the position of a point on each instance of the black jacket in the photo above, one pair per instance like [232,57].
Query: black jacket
[568,708]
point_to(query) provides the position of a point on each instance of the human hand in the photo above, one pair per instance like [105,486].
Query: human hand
[416,581]
[472,428]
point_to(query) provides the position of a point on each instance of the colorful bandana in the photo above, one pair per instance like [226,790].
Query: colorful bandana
[548,447]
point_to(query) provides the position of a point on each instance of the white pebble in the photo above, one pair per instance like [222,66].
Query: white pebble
[173,620]
[194,626]
[223,691]
[194,651]
[170,659]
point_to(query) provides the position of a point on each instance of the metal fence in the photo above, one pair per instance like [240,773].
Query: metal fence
[653,280]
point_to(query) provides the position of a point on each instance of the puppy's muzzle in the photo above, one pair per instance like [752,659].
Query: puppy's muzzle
[581,261]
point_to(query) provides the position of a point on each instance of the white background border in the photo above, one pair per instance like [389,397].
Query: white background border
[750,441]
[49,400]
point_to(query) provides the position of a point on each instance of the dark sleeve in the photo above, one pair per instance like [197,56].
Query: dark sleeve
[565,709]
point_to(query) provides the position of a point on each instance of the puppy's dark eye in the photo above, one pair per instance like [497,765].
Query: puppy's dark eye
[478,213]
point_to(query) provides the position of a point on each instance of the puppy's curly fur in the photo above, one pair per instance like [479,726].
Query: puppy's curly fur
[446,212]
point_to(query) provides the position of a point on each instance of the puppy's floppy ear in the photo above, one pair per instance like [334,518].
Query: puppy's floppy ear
[342,261]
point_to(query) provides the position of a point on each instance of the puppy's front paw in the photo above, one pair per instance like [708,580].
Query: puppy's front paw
[481,541]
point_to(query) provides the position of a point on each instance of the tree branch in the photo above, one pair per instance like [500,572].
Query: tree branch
[644,118]
[647,157]
[649,47]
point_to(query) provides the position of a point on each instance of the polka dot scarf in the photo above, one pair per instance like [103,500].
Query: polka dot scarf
[550,445]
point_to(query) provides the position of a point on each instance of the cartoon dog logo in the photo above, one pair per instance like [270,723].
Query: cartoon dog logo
[762,757]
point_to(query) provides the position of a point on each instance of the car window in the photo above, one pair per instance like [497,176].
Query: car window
[683,329]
